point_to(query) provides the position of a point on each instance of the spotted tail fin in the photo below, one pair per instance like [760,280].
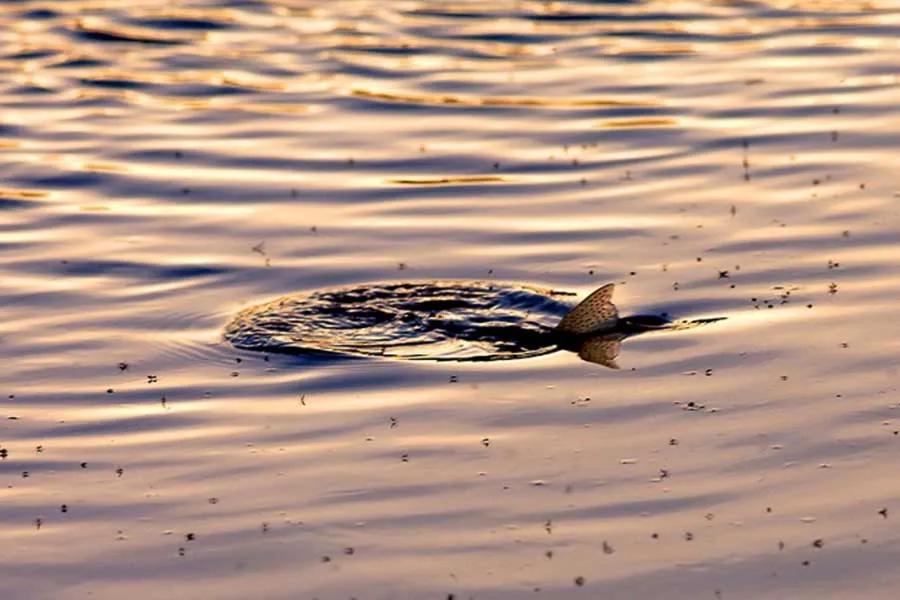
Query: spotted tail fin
[594,314]
[602,349]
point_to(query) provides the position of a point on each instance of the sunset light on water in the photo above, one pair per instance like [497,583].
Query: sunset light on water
[282,285]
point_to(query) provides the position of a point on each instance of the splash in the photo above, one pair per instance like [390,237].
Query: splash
[436,321]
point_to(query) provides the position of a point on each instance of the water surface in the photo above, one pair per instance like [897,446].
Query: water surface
[165,165]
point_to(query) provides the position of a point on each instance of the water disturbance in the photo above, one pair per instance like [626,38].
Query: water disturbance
[437,321]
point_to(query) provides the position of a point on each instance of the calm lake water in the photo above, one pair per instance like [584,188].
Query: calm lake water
[167,164]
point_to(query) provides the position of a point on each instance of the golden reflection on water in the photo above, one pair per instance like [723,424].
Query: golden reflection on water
[165,166]
[483,101]
[449,180]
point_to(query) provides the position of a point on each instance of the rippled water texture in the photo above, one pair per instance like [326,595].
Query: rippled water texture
[166,165]
[462,321]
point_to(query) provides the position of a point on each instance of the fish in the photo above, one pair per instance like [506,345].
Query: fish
[444,320]
[594,330]
[593,315]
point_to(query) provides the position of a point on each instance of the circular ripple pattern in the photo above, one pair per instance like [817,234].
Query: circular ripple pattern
[436,321]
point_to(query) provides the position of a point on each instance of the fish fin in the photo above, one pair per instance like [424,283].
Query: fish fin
[594,314]
[601,350]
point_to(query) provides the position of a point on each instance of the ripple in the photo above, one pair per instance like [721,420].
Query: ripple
[182,23]
[438,321]
[449,180]
[94,31]
[495,101]
[24,196]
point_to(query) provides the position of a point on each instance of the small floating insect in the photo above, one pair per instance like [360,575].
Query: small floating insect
[462,321]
